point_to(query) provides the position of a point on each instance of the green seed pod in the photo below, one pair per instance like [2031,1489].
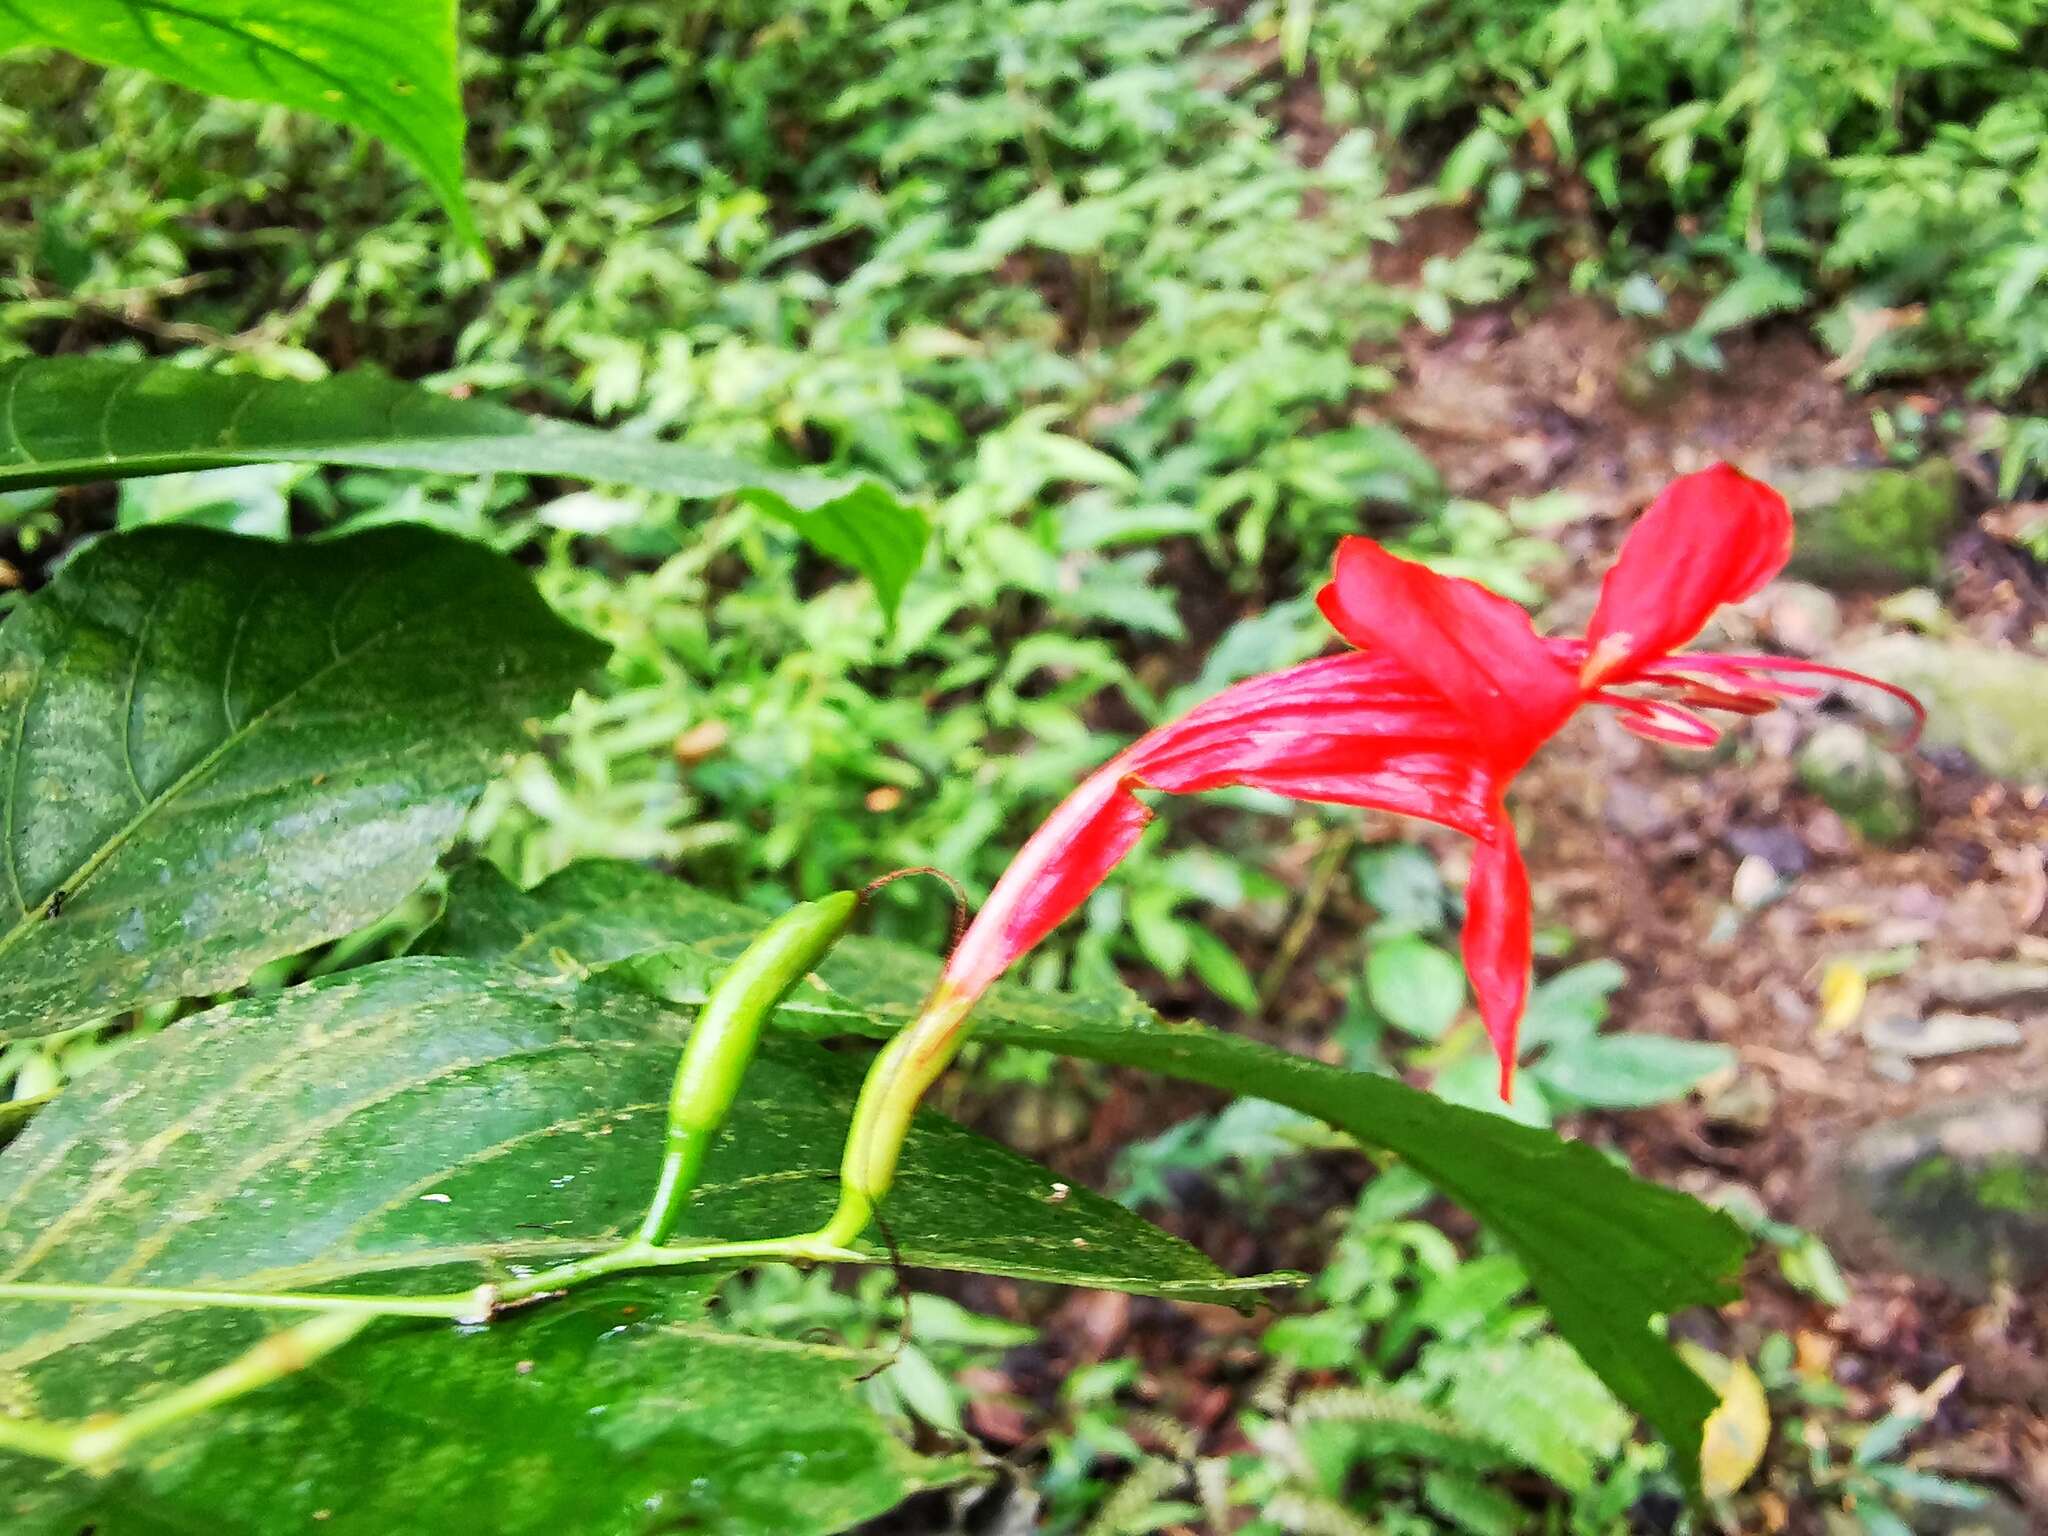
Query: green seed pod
[723,1043]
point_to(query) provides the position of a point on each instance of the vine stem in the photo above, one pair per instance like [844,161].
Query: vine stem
[476,1306]
[97,1444]
[260,1301]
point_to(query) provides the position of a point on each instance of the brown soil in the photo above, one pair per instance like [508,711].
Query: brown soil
[1552,395]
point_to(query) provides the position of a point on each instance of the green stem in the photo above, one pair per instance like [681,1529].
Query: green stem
[35,1437]
[476,1306]
[723,1041]
[98,1444]
[453,1308]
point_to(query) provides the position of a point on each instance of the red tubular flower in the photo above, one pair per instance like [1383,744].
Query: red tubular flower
[1449,693]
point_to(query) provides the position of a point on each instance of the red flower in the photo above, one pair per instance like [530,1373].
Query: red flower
[1449,692]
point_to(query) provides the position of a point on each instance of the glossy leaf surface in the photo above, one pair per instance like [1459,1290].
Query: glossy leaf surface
[611,1414]
[427,1125]
[215,751]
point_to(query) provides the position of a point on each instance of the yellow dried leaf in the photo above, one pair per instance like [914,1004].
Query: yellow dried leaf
[1732,1443]
[1843,988]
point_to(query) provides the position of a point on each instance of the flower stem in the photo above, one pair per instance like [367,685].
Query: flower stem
[896,1083]
[722,1044]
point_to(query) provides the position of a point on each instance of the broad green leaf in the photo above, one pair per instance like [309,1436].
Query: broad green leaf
[607,1413]
[1607,1252]
[69,419]
[434,1112]
[1630,1071]
[215,751]
[428,1125]
[384,66]
[1414,986]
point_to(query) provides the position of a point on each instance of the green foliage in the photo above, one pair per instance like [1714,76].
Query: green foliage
[414,1114]
[1413,986]
[1417,1397]
[384,66]
[1054,269]
[218,751]
[70,419]
[1881,162]
[1861,1474]
[627,1412]
[1026,264]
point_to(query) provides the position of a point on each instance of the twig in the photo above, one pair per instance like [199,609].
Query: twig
[1295,940]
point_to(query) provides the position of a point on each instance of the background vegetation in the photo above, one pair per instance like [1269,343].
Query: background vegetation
[1116,289]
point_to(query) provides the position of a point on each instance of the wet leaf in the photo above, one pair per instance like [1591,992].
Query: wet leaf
[70,419]
[608,1413]
[215,751]
[437,1112]
[429,1125]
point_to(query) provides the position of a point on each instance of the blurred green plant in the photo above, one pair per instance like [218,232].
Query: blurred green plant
[1881,164]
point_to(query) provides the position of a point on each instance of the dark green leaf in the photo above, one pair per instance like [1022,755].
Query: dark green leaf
[384,66]
[429,1125]
[1607,1252]
[608,1413]
[433,1111]
[64,420]
[215,751]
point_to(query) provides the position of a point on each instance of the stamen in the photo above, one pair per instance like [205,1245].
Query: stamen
[1660,720]
[1743,672]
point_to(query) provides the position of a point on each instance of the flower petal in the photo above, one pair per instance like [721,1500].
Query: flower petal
[1053,873]
[1709,539]
[1473,647]
[1354,729]
[1497,940]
